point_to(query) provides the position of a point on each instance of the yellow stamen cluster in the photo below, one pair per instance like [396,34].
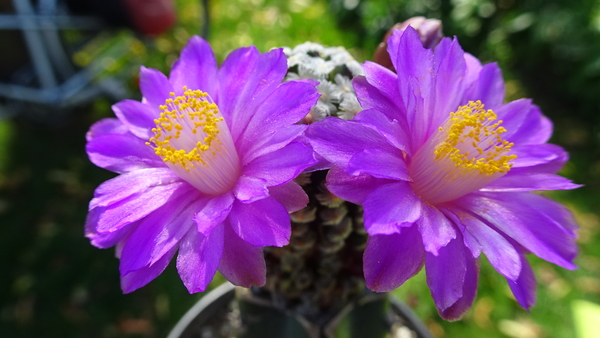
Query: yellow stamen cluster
[186,113]
[473,142]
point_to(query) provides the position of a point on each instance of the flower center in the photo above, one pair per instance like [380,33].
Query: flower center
[192,138]
[465,154]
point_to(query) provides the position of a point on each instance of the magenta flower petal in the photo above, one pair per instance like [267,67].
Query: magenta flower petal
[384,215]
[123,186]
[121,153]
[250,189]
[213,213]
[196,68]
[462,305]
[536,128]
[515,215]
[247,78]
[531,182]
[286,105]
[501,254]
[155,87]
[447,87]
[137,117]
[378,90]
[351,188]
[252,224]
[436,230]
[271,143]
[339,140]
[137,206]
[159,232]
[106,239]
[206,149]
[533,155]
[198,258]
[138,278]
[281,165]
[525,286]
[392,130]
[106,126]
[370,96]
[384,165]
[242,263]
[446,273]
[489,87]
[390,260]
[291,195]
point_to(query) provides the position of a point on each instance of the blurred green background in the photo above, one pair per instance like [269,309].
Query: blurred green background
[55,284]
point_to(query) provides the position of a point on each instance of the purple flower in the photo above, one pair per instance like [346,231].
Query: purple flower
[444,170]
[206,163]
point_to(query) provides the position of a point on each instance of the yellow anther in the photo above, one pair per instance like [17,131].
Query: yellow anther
[470,127]
[178,112]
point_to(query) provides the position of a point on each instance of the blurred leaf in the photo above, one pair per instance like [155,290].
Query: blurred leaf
[587,318]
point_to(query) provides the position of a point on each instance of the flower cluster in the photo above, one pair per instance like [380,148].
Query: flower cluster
[443,168]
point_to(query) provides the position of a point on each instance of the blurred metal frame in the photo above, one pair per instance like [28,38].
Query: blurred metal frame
[41,27]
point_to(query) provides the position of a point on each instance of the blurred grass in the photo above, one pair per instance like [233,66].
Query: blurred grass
[57,285]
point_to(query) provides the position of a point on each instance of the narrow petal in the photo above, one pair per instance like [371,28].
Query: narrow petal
[137,206]
[291,195]
[501,254]
[130,183]
[246,78]
[371,98]
[390,260]
[106,126]
[530,182]
[516,215]
[458,309]
[379,90]
[121,153]
[159,232]
[535,129]
[533,155]
[196,68]
[435,228]
[282,165]
[242,263]
[137,116]
[446,273]
[471,76]
[392,130]
[269,144]
[138,278]
[489,87]
[199,258]
[351,188]
[213,213]
[155,87]
[288,104]
[524,122]
[250,189]
[390,207]
[525,286]
[447,87]
[338,140]
[512,115]
[265,222]
[379,164]
[107,239]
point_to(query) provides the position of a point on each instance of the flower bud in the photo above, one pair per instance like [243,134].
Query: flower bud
[430,31]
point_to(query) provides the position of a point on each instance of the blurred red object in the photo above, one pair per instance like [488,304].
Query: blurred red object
[151,17]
